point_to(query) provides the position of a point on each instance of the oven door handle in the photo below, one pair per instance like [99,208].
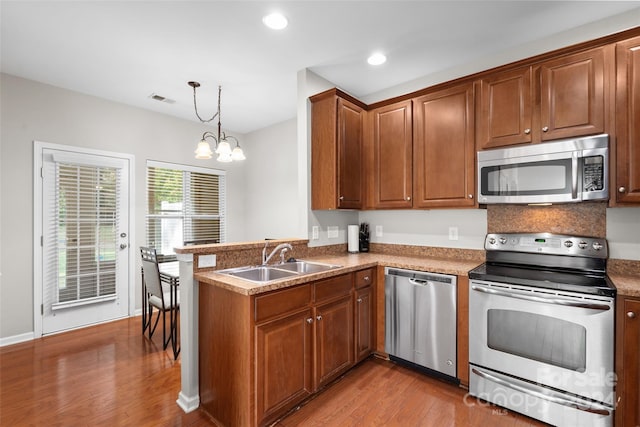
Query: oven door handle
[546,395]
[557,301]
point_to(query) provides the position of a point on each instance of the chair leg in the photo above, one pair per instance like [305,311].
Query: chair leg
[152,329]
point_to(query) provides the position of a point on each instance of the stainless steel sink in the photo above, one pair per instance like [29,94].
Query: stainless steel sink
[267,273]
[306,267]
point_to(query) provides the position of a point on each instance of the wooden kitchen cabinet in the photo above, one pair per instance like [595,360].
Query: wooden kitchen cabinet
[364,313]
[504,108]
[261,355]
[626,179]
[392,156]
[334,339]
[444,148]
[627,362]
[337,125]
[558,98]
[283,371]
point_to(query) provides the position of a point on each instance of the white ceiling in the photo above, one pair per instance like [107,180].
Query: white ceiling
[126,50]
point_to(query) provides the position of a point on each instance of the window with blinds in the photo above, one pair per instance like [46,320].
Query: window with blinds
[86,215]
[185,205]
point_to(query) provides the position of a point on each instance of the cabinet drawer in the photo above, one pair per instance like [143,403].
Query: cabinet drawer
[364,278]
[281,302]
[333,287]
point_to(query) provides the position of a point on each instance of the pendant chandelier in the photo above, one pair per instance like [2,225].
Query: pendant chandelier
[222,145]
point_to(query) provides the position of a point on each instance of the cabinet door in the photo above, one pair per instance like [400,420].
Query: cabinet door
[443,149]
[572,95]
[350,127]
[628,413]
[364,322]
[334,339]
[627,180]
[283,364]
[392,148]
[504,109]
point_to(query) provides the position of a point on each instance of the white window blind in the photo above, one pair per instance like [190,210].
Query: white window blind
[185,205]
[84,230]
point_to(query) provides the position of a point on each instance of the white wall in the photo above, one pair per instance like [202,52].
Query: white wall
[271,199]
[33,111]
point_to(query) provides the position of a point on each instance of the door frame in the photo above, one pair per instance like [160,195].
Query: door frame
[38,148]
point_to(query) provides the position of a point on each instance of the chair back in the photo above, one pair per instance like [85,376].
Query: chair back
[151,272]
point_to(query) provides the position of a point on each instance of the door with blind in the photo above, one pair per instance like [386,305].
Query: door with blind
[85,239]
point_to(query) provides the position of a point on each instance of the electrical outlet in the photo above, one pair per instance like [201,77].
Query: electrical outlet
[453,233]
[206,261]
[315,232]
[378,231]
[332,232]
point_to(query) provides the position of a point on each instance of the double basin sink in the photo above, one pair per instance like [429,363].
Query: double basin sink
[267,273]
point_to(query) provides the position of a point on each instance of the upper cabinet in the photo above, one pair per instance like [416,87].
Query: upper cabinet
[559,98]
[336,151]
[391,132]
[504,109]
[627,152]
[443,148]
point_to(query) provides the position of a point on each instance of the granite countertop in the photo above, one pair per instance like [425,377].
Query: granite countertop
[626,284]
[348,263]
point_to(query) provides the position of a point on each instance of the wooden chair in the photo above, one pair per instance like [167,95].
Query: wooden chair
[159,296]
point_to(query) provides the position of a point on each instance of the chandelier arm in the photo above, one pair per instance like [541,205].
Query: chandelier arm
[195,106]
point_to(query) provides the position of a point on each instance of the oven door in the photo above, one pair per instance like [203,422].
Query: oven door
[559,339]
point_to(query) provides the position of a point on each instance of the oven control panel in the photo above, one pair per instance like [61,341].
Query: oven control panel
[547,243]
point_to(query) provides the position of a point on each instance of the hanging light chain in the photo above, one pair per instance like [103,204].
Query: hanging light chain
[195,85]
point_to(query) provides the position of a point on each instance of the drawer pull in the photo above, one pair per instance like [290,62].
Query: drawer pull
[319,317]
[359,300]
[631,315]
[310,320]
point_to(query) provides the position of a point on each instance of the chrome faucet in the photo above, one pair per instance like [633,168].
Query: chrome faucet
[282,247]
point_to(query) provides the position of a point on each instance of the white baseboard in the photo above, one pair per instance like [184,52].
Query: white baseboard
[15,339]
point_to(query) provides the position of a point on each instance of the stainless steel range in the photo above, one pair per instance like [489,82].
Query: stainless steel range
[541,328]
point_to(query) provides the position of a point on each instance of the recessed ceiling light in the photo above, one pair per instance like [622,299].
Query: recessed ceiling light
[377,59]
[275,21]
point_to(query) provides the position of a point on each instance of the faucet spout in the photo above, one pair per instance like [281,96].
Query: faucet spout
[282,247]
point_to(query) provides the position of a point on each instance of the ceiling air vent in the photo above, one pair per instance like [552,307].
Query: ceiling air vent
[161,98]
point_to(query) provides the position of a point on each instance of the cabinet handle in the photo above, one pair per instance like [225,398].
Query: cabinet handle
[359,300]
[341,197]
[527,131]
[470,196]
[319,317]
[631,315]
[622,190]
[408,198]
[545,129]
[310,320]
[366,278]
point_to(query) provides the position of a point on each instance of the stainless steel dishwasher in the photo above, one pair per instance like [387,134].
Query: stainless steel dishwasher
[420,319]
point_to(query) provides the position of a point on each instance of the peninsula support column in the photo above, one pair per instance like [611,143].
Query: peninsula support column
[189,396]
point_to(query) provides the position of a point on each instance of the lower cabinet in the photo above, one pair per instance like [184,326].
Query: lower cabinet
[627,362]
[262,355]
[283,363]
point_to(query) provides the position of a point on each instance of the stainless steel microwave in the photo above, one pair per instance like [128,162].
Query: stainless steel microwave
[568,170]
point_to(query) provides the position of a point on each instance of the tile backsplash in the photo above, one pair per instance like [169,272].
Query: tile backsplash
[580,219]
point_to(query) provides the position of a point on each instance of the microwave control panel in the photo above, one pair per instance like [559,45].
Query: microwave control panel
[593,173]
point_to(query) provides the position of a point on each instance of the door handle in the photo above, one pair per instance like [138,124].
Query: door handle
[560,400]
[556,301]
[124,245]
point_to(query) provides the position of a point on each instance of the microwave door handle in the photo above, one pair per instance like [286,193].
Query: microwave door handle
[574,175]
[560,400]
[545,300]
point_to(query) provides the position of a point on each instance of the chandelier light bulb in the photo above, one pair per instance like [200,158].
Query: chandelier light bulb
[204,150]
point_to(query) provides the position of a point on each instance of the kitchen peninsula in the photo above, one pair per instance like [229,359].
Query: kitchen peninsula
[232,329]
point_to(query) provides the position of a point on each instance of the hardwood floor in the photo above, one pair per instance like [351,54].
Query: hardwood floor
[111,375]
